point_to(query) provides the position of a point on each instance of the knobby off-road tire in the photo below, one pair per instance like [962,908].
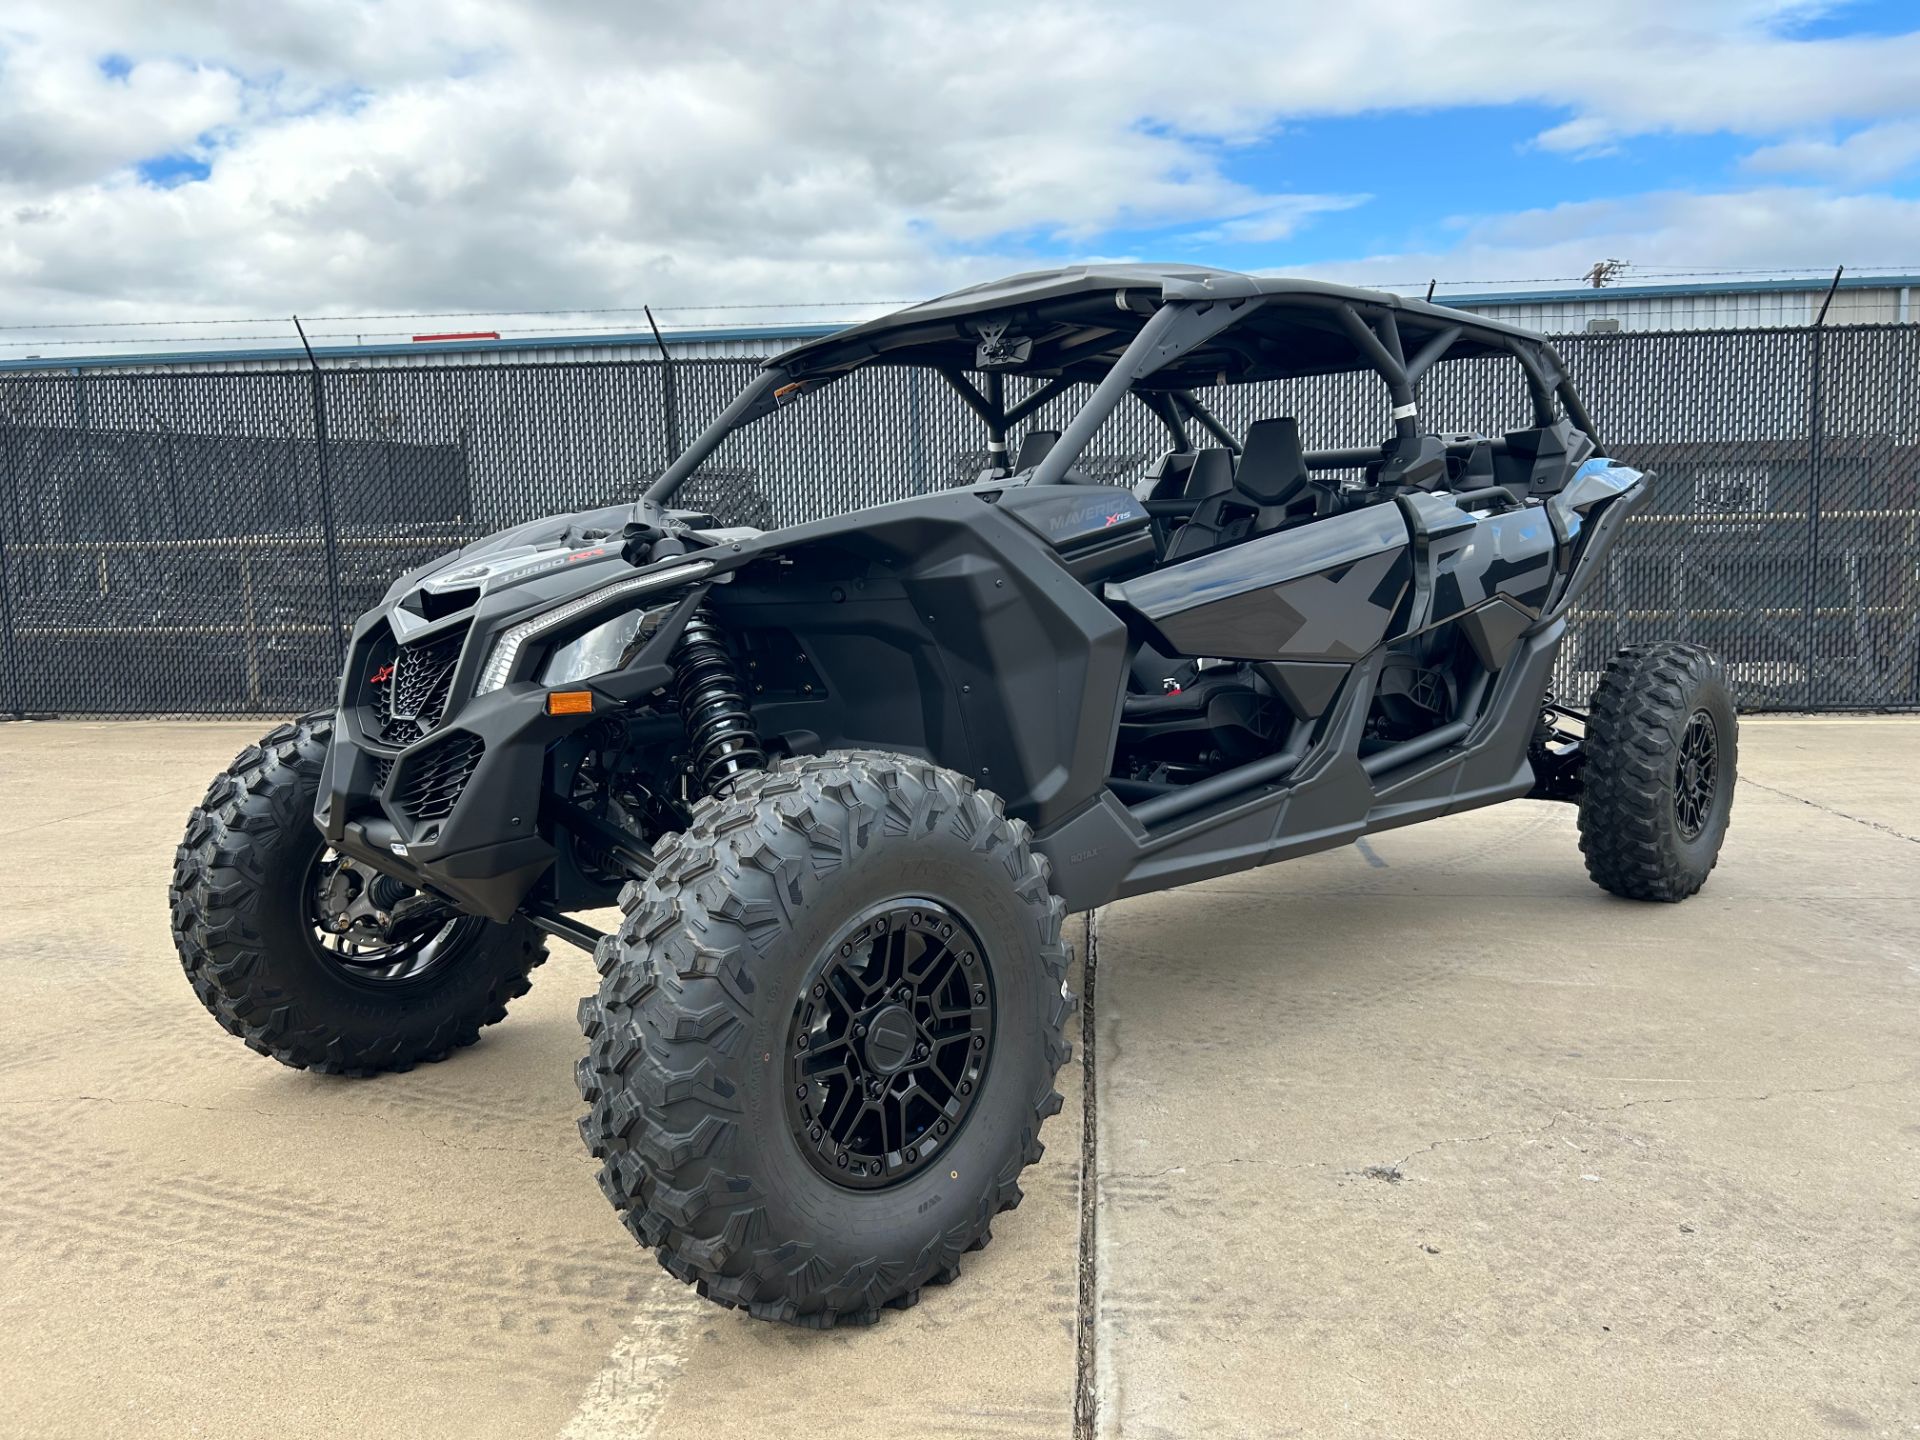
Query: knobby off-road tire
[689,1075]
[1651,817]
[242,923]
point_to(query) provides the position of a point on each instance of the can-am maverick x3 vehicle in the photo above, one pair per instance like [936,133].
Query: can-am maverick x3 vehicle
[846,778]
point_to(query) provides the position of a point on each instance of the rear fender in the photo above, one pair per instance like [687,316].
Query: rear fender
[1588,518]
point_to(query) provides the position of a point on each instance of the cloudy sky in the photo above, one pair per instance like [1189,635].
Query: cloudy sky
[174,162]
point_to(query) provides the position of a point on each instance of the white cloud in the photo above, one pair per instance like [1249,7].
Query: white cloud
[1696,69]
[1877,153]
[1276,219]
[65,119]
[1781,226]
[452,154]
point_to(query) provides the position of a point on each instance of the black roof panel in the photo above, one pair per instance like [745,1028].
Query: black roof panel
[1079,319]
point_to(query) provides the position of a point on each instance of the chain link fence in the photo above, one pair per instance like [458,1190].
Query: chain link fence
[196,544]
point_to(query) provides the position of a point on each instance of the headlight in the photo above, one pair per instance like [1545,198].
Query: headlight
[602,648]
[506,649]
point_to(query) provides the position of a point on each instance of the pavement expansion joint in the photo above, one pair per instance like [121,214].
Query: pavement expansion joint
[1396,1172]
[1829,810]
[1085,1392]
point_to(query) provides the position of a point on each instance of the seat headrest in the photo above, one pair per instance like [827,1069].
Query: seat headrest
[1212,474]
[1034,446]
[1174,462]
[1166,478]
[1273,467]
[1479,470]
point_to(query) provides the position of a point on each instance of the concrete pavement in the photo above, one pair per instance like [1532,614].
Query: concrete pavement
[1430,1136]
[1425,1137]
[197,1241]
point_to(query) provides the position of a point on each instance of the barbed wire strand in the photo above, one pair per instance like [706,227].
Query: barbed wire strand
[362,336]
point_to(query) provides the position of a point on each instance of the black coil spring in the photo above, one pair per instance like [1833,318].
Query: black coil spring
[713,707]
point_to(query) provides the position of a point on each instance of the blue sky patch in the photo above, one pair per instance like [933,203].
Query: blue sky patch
[167,171]
[1856,17]
[1426,171]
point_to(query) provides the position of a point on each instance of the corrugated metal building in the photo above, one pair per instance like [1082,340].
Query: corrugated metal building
[1735,305]
[1746,304]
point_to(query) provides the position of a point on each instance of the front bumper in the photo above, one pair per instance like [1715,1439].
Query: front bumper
[448,793]
[477,838]
[444,787]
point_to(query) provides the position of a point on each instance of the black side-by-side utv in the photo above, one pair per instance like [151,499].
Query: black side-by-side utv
[846,778]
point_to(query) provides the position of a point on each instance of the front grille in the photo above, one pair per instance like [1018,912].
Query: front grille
[413,699]
[431,781]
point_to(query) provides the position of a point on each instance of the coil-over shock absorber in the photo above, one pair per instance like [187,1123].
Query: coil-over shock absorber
[713,707]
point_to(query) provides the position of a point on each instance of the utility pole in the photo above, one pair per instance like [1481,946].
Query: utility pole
[1603,272]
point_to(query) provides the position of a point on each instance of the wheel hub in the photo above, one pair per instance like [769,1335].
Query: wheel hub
[1694,773]
[889,1043]
[891,1036]
[340,893]
[375,928]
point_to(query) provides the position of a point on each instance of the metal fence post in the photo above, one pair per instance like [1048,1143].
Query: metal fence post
[326,499]
[1816,454]
[1808,623]
[13,694]
[669,392]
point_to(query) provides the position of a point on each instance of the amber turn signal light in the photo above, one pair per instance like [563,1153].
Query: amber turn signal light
[569,702]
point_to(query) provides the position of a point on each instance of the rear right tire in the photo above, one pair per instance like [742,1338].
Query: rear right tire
[1661,753]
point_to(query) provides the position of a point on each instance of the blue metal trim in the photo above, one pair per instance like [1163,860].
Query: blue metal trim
[636,339]
[1720,287]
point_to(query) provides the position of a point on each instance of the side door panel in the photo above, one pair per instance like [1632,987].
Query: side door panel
[1329,590]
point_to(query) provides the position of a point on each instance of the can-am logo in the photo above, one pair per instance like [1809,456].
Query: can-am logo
[382,675]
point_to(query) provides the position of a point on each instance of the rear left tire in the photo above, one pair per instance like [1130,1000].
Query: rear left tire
[1661,759]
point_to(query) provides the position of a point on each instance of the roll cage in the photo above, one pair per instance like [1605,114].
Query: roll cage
[1158,333]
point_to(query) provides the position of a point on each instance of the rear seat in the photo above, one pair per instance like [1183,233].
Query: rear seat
[1269,488]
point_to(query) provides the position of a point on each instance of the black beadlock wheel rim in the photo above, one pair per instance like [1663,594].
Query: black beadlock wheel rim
[379,963]
[890,1044]
[1695,773]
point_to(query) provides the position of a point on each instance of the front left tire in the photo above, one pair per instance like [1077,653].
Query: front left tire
[826,1037]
